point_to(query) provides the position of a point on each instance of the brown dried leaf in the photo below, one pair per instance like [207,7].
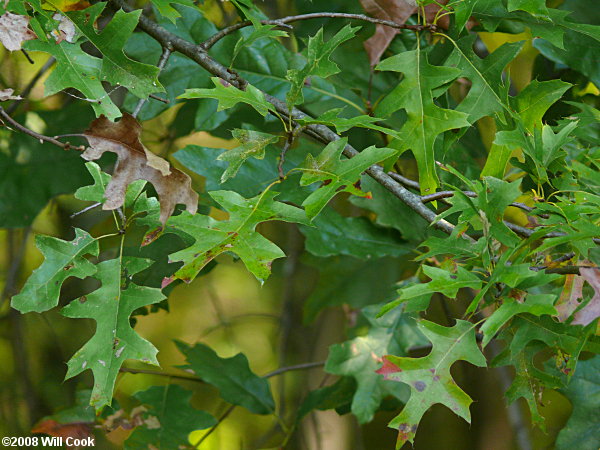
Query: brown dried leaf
[7,94]
[570,297]
[73,430]
[66,29]
[591,311]
[135,162]
[395,10]
[14,31]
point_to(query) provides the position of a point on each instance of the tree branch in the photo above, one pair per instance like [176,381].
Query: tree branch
[206,45]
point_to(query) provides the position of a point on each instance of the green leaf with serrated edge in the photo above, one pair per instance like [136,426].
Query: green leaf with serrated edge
[452,245]
[533,7]
[62,259]
[252,144]
[583,391]
[236,235]
[318,62]
[346,280]
[425,120]
[166,10]
[337,175]
[237,384]
[333,118]
[114,341]
[442,281]
[118,69]
[229,96]
[264,31]
[360,357]
[168,420]
[335,396]
[76,69]
[429,377]
[535,304]
[333,234]
[527,382]
[485,95]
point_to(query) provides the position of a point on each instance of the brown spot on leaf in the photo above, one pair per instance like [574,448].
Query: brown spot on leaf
[420,386]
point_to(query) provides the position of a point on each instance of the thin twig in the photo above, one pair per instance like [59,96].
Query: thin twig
[304,366]
[25,93]
[6,119]
[291,135]
[84,210]
[320,15]
[526,232]
[31,61]
[219,421]
[162,374]
[167,49]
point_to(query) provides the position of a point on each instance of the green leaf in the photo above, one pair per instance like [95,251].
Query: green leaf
[252,143]
[62,259]
[336,396]
[118,69]
[350,281]
[236,235]
[535,304]
[583,391]
[79,70]
[337,175]
[237,384]
[533,7]
[318,62]
[169,419]
[360,357]
[114,340]
[485,96]
[429,377]
[229,96]
[333,234]
[264,31]
[538,96]
[333,118]
[166,10]
[425,120]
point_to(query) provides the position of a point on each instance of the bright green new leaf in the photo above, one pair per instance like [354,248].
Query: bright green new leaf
[236,235]
[168,420]
[114,341]
[360,357]
[79,70]
[337,175]
[425,120]
[264,31]
[532,102]
[166,10]
[429,377]
[536,304]
[118,69]
[62,259]
[229,96]
[318,62]
[252,144]
[333,117]
[237,384]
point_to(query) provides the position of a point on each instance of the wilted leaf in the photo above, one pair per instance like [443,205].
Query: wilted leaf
[252,144]
[429,377]
[570,297]
[63,259]
[591,310]
[237,384]
[137,163]
[64,430]
[7,94]
[114,341]
[14,30]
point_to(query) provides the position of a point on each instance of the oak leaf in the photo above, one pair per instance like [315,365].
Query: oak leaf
[53,428]
[14,31]
[591,311]
[135,162]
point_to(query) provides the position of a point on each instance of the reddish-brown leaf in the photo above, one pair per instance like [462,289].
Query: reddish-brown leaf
[591,311]
[14,30]
[135,162]
[73,430]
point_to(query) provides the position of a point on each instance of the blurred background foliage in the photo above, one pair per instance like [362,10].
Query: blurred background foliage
[310,302]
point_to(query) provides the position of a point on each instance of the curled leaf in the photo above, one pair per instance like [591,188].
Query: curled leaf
[137,163]
[14,31]
[591,311]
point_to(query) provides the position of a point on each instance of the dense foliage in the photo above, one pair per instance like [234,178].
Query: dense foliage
[438,154]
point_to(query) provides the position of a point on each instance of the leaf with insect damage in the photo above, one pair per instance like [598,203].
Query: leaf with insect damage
[63,259]
[14,30]
[137,163]
[236,235]
[114,340]
[429,377]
